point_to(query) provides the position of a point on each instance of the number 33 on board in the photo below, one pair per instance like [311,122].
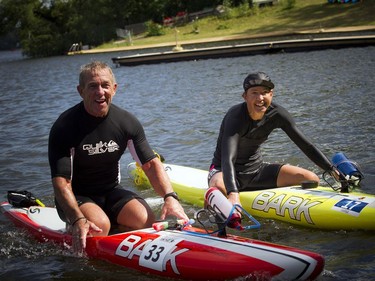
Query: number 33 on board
[156,253]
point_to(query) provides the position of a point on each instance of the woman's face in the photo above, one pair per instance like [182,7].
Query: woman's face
[258,99]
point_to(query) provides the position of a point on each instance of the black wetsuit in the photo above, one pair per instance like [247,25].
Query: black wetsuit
[87,149]
[238,152]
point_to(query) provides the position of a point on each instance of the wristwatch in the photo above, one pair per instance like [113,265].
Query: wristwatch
[171,194]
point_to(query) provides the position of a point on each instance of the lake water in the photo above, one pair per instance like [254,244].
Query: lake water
[330,93]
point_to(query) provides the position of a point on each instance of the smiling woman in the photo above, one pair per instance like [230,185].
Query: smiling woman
[238,165]
[258,99]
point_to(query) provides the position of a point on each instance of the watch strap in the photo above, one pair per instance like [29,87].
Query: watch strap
[171,194]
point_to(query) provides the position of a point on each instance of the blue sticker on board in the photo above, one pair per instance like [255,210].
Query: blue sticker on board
[351,205]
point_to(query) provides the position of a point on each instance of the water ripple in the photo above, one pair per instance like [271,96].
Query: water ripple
[181,106]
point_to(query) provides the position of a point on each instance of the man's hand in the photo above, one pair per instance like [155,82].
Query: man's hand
[172,207]
[160,181]
[81,229]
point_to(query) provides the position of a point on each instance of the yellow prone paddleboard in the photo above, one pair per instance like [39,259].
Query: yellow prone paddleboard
[319,207]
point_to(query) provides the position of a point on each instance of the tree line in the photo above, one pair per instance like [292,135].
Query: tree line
[49,27]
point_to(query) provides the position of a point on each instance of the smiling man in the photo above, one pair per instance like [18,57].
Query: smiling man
[237,164]
[85,146]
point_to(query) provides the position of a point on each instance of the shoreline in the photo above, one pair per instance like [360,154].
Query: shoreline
[226,40]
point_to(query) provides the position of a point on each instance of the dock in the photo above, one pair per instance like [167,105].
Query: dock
[294,45]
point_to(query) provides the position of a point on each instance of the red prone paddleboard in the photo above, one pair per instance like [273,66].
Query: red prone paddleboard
[179,254]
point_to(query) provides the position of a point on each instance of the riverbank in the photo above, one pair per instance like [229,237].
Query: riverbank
[269,47]
[228,40]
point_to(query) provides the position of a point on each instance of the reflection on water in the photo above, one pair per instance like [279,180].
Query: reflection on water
[181,105]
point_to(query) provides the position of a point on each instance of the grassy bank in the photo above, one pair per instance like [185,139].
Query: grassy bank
[280,18]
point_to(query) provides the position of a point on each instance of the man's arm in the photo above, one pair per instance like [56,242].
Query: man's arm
[159,179]
[66,199]
[80,226]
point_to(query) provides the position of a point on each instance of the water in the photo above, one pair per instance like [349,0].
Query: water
[181,105]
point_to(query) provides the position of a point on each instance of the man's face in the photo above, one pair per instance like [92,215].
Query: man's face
[97,92]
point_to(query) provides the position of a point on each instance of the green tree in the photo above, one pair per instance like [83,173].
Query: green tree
[50,27]
[37,24]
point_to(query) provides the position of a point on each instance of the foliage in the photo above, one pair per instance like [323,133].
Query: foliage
[50,27]
[244,9]
[268,21]
[154,29]
[289,4]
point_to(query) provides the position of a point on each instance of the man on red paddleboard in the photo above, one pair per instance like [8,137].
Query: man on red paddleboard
[85,146]
[237,164]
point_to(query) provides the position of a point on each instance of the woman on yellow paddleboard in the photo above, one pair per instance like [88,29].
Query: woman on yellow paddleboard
[237,164]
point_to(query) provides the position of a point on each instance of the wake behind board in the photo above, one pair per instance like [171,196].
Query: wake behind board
[320,207]
[179,254]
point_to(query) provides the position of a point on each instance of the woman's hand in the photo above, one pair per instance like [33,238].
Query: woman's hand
[234,198]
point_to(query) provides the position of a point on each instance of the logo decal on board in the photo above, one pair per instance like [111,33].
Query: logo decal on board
[293,206]
[351,207]
[34,210]
[168,168]
[154,254]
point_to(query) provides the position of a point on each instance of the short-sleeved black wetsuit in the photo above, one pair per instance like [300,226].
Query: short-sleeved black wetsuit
[87,149]
[238,146]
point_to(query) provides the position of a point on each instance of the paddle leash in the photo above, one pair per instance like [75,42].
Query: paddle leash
[23,199]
